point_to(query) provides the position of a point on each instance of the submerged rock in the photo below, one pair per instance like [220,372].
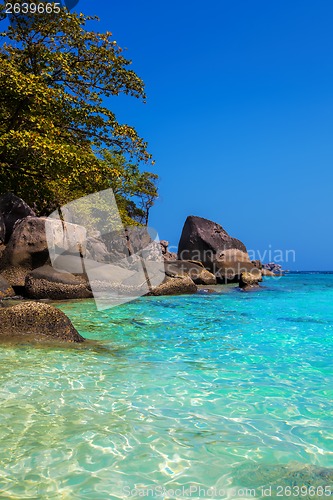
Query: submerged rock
[283,476]
[37,322]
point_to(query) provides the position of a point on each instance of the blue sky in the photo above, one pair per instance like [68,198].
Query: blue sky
[239,115]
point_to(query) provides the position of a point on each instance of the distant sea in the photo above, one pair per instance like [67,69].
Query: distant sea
[224,395]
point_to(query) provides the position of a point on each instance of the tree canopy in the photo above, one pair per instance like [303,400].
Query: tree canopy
[59,139]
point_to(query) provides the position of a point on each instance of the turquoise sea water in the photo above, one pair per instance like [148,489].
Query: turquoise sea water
[210,396]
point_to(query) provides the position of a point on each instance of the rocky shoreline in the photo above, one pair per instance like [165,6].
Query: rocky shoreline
[207,255]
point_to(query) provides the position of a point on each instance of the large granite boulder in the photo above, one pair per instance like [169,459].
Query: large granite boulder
[179,285]
[47,283]
[12,209]
[5,289]
[206,241]
[37,322]
[28,247]
[195,270]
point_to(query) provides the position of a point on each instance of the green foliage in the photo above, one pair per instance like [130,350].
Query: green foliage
[135,191]
[58,140]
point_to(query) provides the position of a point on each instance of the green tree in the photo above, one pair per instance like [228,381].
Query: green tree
[135,191]
[58,138]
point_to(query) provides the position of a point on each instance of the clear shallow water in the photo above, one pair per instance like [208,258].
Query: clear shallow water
[230,391]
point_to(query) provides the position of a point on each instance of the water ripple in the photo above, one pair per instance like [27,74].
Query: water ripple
[213,391]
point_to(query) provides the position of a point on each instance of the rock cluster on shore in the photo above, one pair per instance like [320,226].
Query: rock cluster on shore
[207,255]
[207,242]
